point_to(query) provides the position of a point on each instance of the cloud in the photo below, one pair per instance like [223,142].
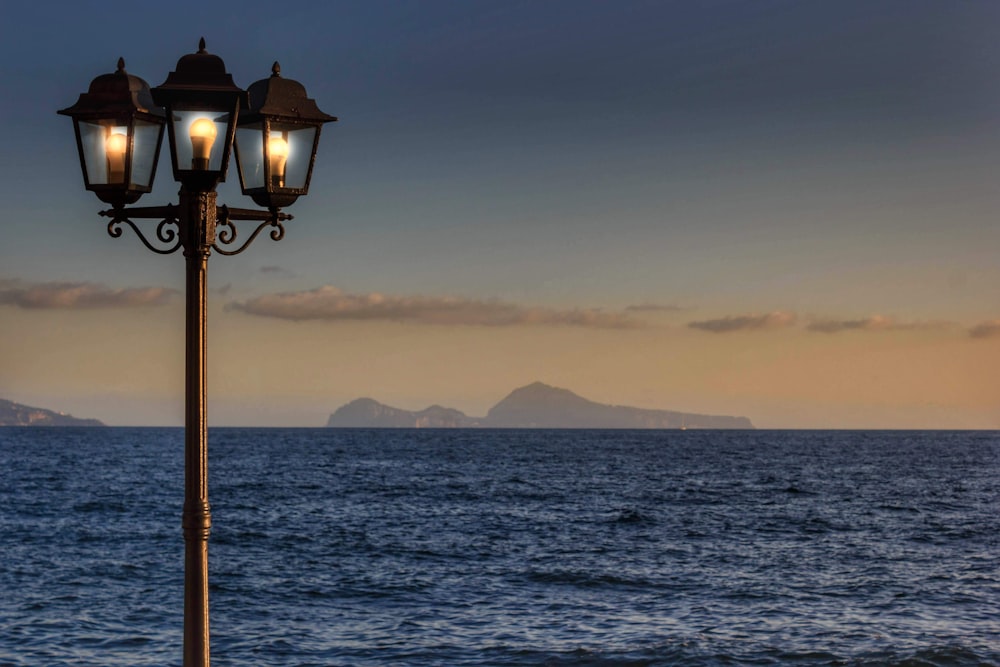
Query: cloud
[80,295]
[276,271]
[873,323]
[780,320]
[653,308]
[775,320]
[987,329]
[332,304]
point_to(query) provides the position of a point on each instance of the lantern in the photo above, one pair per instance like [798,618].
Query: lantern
[276,141]
[202,104]
[118,134]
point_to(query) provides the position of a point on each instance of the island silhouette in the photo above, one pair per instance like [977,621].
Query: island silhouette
[536,405]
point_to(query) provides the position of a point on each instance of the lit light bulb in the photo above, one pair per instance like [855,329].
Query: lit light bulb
[277,150]
[114,149]
[202,137]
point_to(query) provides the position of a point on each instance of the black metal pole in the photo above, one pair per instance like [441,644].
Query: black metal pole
[197,224]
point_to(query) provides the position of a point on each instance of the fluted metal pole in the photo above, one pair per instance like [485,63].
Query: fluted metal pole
[198,218]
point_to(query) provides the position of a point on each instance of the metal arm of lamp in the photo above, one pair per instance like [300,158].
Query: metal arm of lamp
[169,233]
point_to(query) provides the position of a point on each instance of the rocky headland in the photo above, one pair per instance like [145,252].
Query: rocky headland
[16,414]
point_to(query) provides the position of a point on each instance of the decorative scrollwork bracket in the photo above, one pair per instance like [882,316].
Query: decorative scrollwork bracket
[167,230]
[227,233]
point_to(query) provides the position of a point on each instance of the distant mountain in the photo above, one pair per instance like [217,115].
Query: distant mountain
[536,405]
[540,406]
[15,414]
[366,412]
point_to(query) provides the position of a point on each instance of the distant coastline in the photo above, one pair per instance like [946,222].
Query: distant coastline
[16,414]
[536,405]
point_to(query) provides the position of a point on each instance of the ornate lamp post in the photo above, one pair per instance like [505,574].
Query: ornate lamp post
[119,128]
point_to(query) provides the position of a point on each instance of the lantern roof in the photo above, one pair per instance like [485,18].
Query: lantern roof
[198,76]
[277,97]
[118,93]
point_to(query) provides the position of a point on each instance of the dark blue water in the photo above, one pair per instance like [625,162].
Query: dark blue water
[342,547]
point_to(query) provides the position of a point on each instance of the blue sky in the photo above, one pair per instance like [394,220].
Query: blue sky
[799,194]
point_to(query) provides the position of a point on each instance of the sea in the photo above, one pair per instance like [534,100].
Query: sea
[506,547]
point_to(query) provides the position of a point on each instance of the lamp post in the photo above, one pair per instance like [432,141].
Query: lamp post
[119,128]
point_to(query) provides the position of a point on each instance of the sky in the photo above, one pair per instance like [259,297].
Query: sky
[776,209]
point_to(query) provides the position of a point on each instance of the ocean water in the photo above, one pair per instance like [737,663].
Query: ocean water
[469,547]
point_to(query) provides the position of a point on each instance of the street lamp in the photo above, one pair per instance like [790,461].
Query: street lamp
[119,128]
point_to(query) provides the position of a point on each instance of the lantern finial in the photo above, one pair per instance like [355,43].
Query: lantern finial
[121,65]
[201,46]
[275,69]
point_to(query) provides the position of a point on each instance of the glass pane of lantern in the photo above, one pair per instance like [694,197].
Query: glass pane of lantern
[250,154]
[300,142]
[200,139]
[104,152]
[144,152]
